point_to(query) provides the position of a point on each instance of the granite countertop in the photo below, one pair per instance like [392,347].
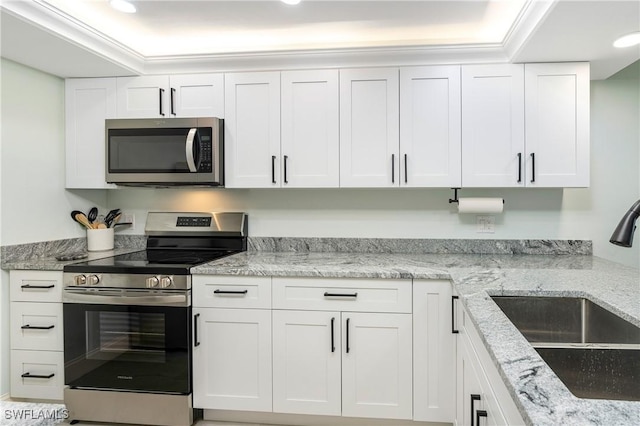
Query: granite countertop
[540,396]
[50,263]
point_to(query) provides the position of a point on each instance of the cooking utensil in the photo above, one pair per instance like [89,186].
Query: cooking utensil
[115,220]
[81,218]
[93,214]
[109,218]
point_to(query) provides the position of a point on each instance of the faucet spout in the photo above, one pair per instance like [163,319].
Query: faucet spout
[623,234]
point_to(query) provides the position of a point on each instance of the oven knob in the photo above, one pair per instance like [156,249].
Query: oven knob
[80,279]
[93,280]
[166,282]
[152,282]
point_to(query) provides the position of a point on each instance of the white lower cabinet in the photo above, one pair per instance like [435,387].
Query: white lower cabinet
[233,359]
[434,351]
[332,358]
[482,398]
[37,359]
[232,346]
[307,375]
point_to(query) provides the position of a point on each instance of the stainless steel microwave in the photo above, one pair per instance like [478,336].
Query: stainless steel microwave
[165,151]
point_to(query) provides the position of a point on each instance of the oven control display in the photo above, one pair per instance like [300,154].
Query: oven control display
[193,221]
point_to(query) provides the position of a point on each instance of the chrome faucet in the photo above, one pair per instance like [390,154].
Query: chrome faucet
[623,235]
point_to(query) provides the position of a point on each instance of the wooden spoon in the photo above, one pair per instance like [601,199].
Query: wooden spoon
[81,218]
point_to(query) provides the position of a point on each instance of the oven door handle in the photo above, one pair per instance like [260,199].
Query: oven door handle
[110,297]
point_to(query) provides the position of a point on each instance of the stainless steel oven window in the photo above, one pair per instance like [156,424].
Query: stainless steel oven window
[124,336]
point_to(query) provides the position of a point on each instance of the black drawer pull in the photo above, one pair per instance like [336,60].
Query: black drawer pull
[37,327]
[273,169]
[230,291]
[348,348]
[38,286]
[533,167]
[474,398]
[453,310]
[480,413]
[327,294]
[519,167]
[28,375]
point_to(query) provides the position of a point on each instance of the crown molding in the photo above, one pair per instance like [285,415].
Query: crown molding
[65,27]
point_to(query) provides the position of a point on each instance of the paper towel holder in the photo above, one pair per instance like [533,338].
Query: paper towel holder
[455,196]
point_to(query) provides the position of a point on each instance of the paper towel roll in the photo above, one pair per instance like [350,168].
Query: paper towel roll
[480,205]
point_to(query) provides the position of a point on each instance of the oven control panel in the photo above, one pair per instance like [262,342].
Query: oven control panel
[193,221]
[127,281]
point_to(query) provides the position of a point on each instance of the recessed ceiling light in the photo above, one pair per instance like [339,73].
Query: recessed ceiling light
[628,40]
[290,1]
[123,6]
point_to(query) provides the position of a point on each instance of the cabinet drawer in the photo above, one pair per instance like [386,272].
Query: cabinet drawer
[354,295]
[48,369]
[36,326]
[231,292]
[35,286]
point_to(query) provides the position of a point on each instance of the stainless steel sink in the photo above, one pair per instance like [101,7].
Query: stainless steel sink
[594,352]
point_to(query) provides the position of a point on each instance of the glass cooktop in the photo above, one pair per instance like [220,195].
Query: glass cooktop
[177,262]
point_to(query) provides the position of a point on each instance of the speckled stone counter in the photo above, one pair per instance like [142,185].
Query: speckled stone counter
[540,396]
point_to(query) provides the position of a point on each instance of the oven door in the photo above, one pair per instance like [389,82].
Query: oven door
[138,348]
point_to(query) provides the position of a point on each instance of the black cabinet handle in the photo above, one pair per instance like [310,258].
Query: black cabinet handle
[195,330]
[393,168]
[533,167]
[333,342]
[28,375]
[348,348]
[453,310]
[37,327]
[327,294]
[474,398]
[37,286]
[519,167]
[405,169]
[285,169]
[172,104]
[230,291]
[161,93]
[480,413]
[273,169]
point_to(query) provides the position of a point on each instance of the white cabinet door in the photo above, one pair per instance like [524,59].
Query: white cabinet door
[377,365]
[232,359]
[469,392]
[369,127]
[493,126]
[197,95]
[430,121]
[252,130]
[306,362]
[143,97]
[433,352]
[310,133]
[557,124]
[88,102]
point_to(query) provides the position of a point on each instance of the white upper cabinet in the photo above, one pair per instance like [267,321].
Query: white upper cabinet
[252,130]
[143,97]
[430,121]
[188,95]
[557,124]
[310,133]
[493,126]
[88,102]
[369,127]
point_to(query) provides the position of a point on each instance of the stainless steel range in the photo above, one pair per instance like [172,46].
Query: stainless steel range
[128,324]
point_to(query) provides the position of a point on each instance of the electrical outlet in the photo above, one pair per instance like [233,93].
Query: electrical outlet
[485,224]
[128,218]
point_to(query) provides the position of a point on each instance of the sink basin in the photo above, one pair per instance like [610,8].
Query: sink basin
[594,352]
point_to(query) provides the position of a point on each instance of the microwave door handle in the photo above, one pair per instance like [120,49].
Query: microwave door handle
[191,139]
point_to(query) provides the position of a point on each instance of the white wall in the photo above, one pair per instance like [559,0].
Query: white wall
[34,206]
